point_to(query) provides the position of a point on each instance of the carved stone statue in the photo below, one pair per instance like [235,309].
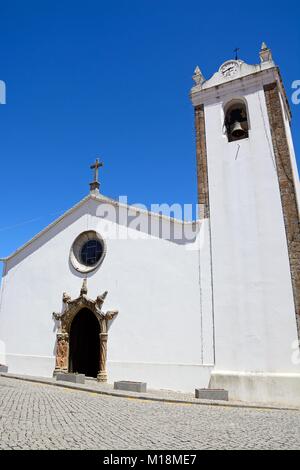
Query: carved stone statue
[62,353]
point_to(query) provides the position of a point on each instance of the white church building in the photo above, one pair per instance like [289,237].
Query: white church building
[121,293]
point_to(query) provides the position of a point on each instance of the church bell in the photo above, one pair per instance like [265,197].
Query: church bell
[237,131]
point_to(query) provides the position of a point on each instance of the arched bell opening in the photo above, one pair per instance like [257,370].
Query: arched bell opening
[236,120]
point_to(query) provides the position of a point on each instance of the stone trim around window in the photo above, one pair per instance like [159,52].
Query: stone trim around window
[75,252]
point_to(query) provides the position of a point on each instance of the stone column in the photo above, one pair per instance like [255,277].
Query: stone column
[201,154]
[286,187]
[62,353]
[102,374]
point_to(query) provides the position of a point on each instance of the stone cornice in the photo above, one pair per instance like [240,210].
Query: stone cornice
[253,81]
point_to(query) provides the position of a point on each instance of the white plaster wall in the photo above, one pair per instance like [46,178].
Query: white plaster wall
[254,313]
[158,335]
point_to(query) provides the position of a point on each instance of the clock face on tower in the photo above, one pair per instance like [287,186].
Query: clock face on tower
[229,68]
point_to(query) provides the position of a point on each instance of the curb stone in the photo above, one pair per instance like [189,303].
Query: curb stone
[139,396]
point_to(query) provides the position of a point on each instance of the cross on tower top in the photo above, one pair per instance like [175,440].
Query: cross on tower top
[95,185]
[236,50]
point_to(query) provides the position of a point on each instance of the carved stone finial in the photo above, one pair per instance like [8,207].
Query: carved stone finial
[101,298]
[265,53]
[56,316]
[198,76]
[66,298]
[111,314]
[84,289]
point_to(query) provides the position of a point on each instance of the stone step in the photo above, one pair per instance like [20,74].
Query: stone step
[75,378]
[211,394]
[130,386]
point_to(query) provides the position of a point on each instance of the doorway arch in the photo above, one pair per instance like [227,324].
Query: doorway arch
[93,333]
[84,356]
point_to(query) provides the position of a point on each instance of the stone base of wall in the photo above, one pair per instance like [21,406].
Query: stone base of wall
[38,366]
[178,377]
[265,388]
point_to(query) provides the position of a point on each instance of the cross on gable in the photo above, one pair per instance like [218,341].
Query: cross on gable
[95,185]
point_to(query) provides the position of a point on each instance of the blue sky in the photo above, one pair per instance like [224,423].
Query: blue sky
[111,79]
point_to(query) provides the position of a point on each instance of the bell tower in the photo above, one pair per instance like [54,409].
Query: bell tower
[248,188]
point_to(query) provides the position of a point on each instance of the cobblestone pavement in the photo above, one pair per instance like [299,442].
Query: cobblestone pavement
[36,416]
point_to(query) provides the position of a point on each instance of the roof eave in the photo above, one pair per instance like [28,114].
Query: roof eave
[97,197]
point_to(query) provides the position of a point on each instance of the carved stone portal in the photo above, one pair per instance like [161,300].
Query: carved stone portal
[70,310]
